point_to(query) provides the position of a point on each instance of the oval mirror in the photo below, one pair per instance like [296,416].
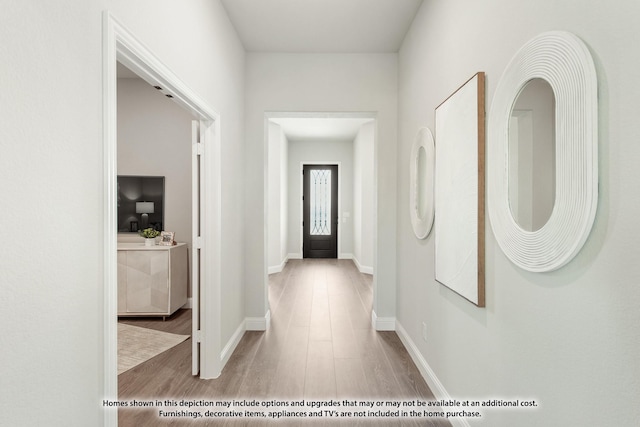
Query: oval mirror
[564,62]
[421,181]
[532,155]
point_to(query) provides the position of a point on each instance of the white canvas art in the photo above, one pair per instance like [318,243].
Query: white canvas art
[459,194]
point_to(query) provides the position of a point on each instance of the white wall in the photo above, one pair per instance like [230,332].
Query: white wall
[154,139]
[312,83]
[363,187]
[568,338]
[51,174]
[310,152]
[277,202]
[51,177]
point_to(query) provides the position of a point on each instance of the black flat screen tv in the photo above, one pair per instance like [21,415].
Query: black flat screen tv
[140,203]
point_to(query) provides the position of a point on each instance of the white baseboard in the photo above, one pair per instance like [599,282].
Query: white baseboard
[427,373]
[278,268]
[188,304]
[362,268]
[228,349]
[258,323]
[382,323]
[249,324]
[294,256]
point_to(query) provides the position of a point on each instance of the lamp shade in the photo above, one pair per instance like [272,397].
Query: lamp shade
[144,207]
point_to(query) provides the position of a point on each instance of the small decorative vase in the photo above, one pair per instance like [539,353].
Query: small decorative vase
[150,242]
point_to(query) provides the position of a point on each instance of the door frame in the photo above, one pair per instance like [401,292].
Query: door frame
[120,45]
[339,229]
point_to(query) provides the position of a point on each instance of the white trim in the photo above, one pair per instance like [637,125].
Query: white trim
[228,349]
[278,268]
[196,239]
[211,254]
[428,374]
[138,58]
[188,304]
[362,268]
[366,270]
[119,44]
[294,256]
[564,61]
[382,323]
[258,323]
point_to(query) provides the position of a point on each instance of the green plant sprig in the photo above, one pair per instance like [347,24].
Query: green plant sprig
[149,233]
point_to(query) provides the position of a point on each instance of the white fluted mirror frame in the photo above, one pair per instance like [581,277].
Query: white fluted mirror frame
[422,224]
[564,61]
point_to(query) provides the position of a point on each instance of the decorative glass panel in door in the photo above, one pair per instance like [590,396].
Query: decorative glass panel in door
[320,199]
[320,224]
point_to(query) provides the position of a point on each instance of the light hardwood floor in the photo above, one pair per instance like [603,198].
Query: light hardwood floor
[320,346]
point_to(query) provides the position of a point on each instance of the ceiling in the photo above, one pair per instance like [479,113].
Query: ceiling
[318,26]
[322,26]
[320,128]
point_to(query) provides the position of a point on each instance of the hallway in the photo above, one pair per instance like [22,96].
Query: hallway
[320,346]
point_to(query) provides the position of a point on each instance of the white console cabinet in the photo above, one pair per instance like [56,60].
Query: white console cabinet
[152,280]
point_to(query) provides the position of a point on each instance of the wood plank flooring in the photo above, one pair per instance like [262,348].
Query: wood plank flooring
[320,346]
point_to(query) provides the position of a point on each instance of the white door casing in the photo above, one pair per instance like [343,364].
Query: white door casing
[196,243]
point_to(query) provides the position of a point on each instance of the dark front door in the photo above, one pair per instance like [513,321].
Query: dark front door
[320,206]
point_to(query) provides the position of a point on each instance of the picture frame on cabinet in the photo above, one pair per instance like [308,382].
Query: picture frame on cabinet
[167,238]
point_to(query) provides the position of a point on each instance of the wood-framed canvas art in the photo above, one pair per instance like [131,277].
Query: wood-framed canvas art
[459,194]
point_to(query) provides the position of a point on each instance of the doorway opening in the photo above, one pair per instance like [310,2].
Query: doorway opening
[154,196]
[121,46]
[345,140]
